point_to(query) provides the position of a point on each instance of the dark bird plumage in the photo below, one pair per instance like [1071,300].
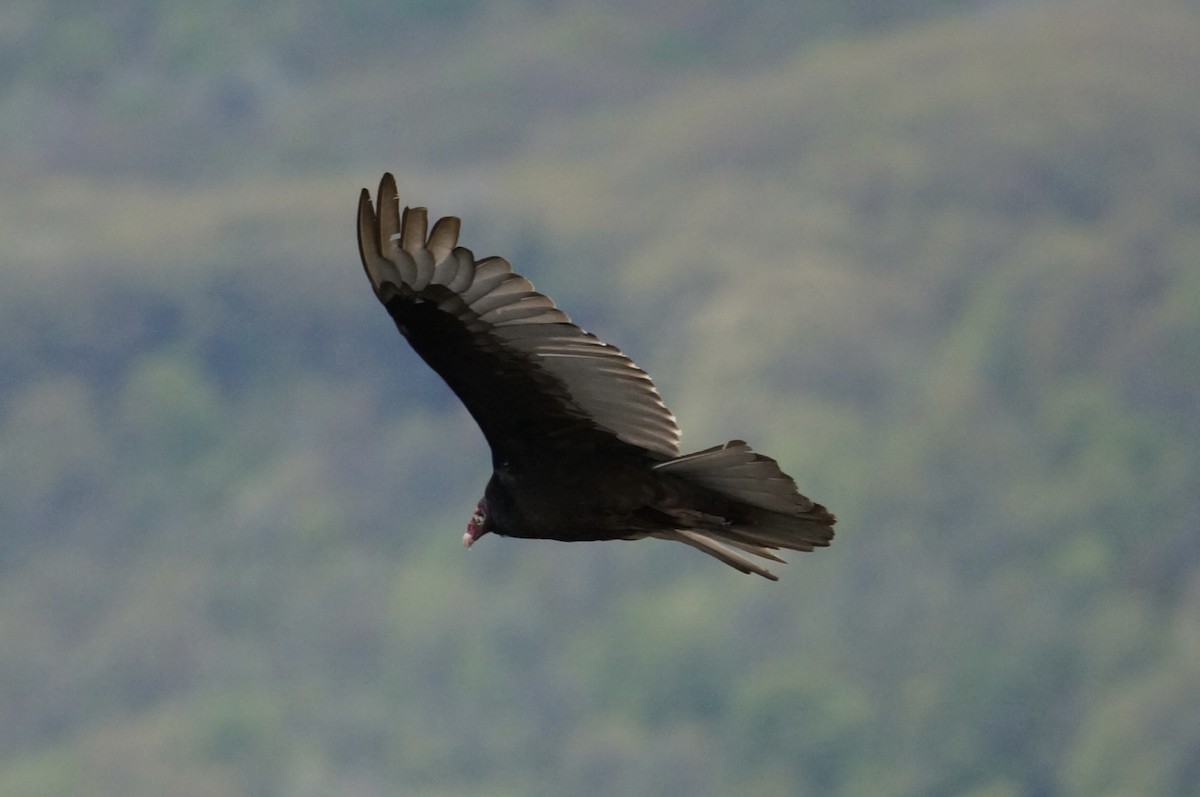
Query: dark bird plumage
[583,447]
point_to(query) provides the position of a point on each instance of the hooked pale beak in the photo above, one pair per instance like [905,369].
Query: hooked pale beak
[477,527]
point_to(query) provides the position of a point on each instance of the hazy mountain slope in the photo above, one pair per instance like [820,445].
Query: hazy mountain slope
[946,274]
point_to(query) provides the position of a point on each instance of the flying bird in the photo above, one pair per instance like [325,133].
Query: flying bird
[583,447]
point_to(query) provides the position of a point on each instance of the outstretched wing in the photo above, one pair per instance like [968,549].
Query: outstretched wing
[532,380]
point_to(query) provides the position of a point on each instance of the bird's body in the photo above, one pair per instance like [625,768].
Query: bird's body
[582,446]
[608,490]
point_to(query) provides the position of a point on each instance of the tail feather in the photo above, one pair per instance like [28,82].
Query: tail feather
[732,558]
[761,509]
[757,550]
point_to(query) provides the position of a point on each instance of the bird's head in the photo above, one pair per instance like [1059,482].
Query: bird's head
[480,523]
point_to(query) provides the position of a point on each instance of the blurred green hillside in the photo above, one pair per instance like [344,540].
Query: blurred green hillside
[941,262]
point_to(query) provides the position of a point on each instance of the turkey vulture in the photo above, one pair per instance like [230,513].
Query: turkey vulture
[583,447]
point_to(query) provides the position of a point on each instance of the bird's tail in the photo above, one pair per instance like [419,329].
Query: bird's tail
[759,509]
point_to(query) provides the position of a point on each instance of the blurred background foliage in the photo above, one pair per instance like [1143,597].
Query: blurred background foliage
[939,258]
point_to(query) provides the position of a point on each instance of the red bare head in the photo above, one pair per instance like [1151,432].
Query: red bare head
[480,524]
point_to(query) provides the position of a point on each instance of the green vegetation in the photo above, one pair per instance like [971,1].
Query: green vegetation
[942,265]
